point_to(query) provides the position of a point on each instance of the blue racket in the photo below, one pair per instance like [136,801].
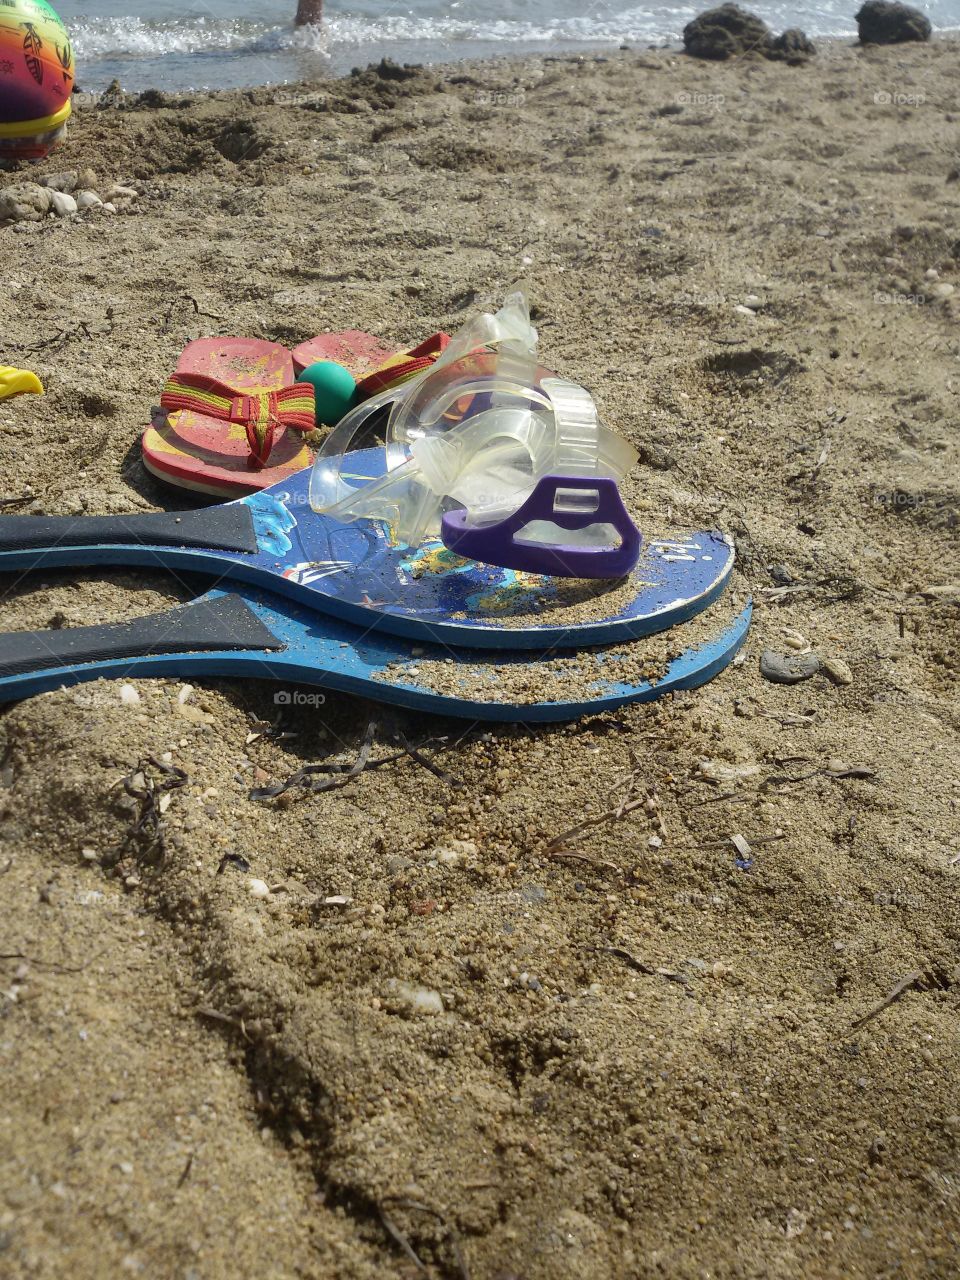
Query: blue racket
[273,540]
[249,632]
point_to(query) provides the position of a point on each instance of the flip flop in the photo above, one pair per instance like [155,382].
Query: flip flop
[196,450]
[357,351]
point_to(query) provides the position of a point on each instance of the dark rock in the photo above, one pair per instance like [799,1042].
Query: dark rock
[390,70]
[725,32]
[887,22]
[788,668]
[792,46]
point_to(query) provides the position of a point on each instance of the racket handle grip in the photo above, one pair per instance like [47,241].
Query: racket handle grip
[223,622]
[227,528]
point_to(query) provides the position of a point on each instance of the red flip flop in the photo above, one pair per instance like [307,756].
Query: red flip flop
[357,351]
[217,455]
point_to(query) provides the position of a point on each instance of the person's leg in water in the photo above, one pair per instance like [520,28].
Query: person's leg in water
[309,13]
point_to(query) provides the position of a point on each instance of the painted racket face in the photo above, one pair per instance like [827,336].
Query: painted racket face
[355,567]
[274,540]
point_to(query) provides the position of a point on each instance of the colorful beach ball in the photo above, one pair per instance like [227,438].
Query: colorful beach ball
[36,79]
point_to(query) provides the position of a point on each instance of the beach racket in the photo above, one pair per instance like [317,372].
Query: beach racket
[351,571]
[248,632]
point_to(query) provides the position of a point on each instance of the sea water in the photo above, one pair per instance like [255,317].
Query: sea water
[168,44]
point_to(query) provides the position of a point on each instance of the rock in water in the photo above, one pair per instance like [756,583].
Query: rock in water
[792,46]
[724,33]
[887,22]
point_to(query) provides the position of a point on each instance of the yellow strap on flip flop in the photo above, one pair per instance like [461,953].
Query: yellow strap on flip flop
[17,382]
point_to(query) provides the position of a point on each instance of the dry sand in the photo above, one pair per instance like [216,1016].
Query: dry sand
[646,1060]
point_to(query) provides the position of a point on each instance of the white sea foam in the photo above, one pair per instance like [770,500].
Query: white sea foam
[217,43]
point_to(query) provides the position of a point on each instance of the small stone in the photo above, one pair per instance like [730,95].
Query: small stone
[745,311]
[88,854]
[24,202]
[788,668]
[63,204]
[655,842]
[258,888]
[88,200]
[86,180]
[794,640]
[796,1223]
[128,695]
[781,575]
[118,193]
[837,670]
[942,291]
[720,771]
[66,181]
[742,845]
[420,1001]
[108,207]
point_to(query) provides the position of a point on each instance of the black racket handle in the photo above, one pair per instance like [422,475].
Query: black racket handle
[226,622]
[226,528]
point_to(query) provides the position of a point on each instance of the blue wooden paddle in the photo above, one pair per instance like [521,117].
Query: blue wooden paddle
[249,632]
[275,541]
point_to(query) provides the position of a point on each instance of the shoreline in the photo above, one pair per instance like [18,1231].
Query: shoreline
[449,67]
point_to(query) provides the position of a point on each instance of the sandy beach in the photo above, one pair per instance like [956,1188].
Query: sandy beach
[535,1017]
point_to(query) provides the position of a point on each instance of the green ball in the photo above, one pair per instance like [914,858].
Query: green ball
[334,389]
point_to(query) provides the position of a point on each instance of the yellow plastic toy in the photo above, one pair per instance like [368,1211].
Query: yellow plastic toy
[17,382]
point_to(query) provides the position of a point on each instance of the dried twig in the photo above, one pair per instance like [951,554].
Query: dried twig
[568,855]
[44,964]
[403,1243]
[344,773]
[903,986]
[59,339]
[415,754]
[611,815]
[641,967]
[237,1023]
[146,832]
[724,795]
[400,1240]
[305,778]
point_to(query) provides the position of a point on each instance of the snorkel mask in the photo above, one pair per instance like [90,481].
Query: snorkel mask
[493,454]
